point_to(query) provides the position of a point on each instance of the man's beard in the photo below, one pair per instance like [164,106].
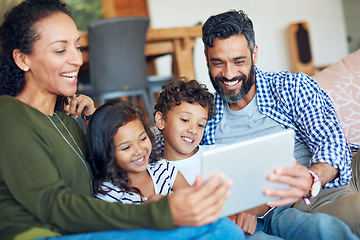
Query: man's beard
[231,96]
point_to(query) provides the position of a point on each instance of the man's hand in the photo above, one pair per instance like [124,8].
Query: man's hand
[297,177]
[200,204]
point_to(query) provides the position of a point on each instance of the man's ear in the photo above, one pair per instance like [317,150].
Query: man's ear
[21,60]
[206,57]
[159,121]
[255,54]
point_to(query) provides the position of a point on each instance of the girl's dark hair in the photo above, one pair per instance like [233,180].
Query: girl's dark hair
[19,31]
[101,130]
[176,91]
[227,24]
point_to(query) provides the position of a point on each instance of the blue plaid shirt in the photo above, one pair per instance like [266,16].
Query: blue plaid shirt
[296,101]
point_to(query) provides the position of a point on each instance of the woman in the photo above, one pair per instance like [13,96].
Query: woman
[45,184]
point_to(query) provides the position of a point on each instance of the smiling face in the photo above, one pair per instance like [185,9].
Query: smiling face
[231,68]
[56,57]
[183,129]
[133,147]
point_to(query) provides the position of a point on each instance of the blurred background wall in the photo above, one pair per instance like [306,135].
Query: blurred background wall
[333,26]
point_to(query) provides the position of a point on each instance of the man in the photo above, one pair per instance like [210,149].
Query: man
[252,103]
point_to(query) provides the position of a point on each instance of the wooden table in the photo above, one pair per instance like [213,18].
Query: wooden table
[178,41]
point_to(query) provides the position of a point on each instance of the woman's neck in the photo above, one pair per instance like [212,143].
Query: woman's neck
[44,104]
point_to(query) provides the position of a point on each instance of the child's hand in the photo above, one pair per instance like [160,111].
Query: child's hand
[155,197]
[78,105]
[246,220]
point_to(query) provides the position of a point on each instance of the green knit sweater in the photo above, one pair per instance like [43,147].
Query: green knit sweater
[45,186]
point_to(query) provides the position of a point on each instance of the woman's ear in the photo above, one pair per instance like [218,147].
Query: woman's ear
[159,121]
[21,60]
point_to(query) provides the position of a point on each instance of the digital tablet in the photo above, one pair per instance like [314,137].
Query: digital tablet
[248,163]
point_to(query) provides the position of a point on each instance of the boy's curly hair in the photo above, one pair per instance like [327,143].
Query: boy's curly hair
[179,90]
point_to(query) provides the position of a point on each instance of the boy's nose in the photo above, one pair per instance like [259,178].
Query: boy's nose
[192,129]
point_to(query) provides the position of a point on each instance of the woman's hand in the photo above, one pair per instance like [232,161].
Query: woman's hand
[79,105]
[200,204]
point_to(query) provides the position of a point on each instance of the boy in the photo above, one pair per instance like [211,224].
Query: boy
[181,114]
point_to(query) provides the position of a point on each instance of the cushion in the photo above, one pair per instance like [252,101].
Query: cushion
[341,81]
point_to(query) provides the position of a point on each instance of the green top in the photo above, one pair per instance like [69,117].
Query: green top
[44,185]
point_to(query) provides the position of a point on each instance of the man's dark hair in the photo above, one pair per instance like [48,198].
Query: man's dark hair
[227,24]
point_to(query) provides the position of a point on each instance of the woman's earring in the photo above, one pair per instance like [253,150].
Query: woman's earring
[26,69]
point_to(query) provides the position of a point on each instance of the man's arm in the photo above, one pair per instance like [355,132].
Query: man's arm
[326,172]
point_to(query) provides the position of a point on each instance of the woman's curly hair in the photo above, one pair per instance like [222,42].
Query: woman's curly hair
[176,91]
[19,31]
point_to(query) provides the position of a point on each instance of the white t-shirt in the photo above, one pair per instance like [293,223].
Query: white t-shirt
[191,167]
[163,174]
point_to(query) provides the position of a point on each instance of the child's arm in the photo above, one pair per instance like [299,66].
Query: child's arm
[180,182]
[155,197]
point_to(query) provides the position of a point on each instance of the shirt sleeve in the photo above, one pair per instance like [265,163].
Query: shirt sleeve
[318,126]
[163,174]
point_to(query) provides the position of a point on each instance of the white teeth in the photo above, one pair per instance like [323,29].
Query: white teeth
[187,139]
[69,75]
[139,160]
[232,83]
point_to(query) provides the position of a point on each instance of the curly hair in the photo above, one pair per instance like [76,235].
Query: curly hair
[19,31]
[176,91]
[227,24]
[101,150]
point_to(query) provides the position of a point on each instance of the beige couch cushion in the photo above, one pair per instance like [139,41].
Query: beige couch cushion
[342,82]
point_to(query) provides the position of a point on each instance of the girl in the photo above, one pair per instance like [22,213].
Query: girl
[120,154]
